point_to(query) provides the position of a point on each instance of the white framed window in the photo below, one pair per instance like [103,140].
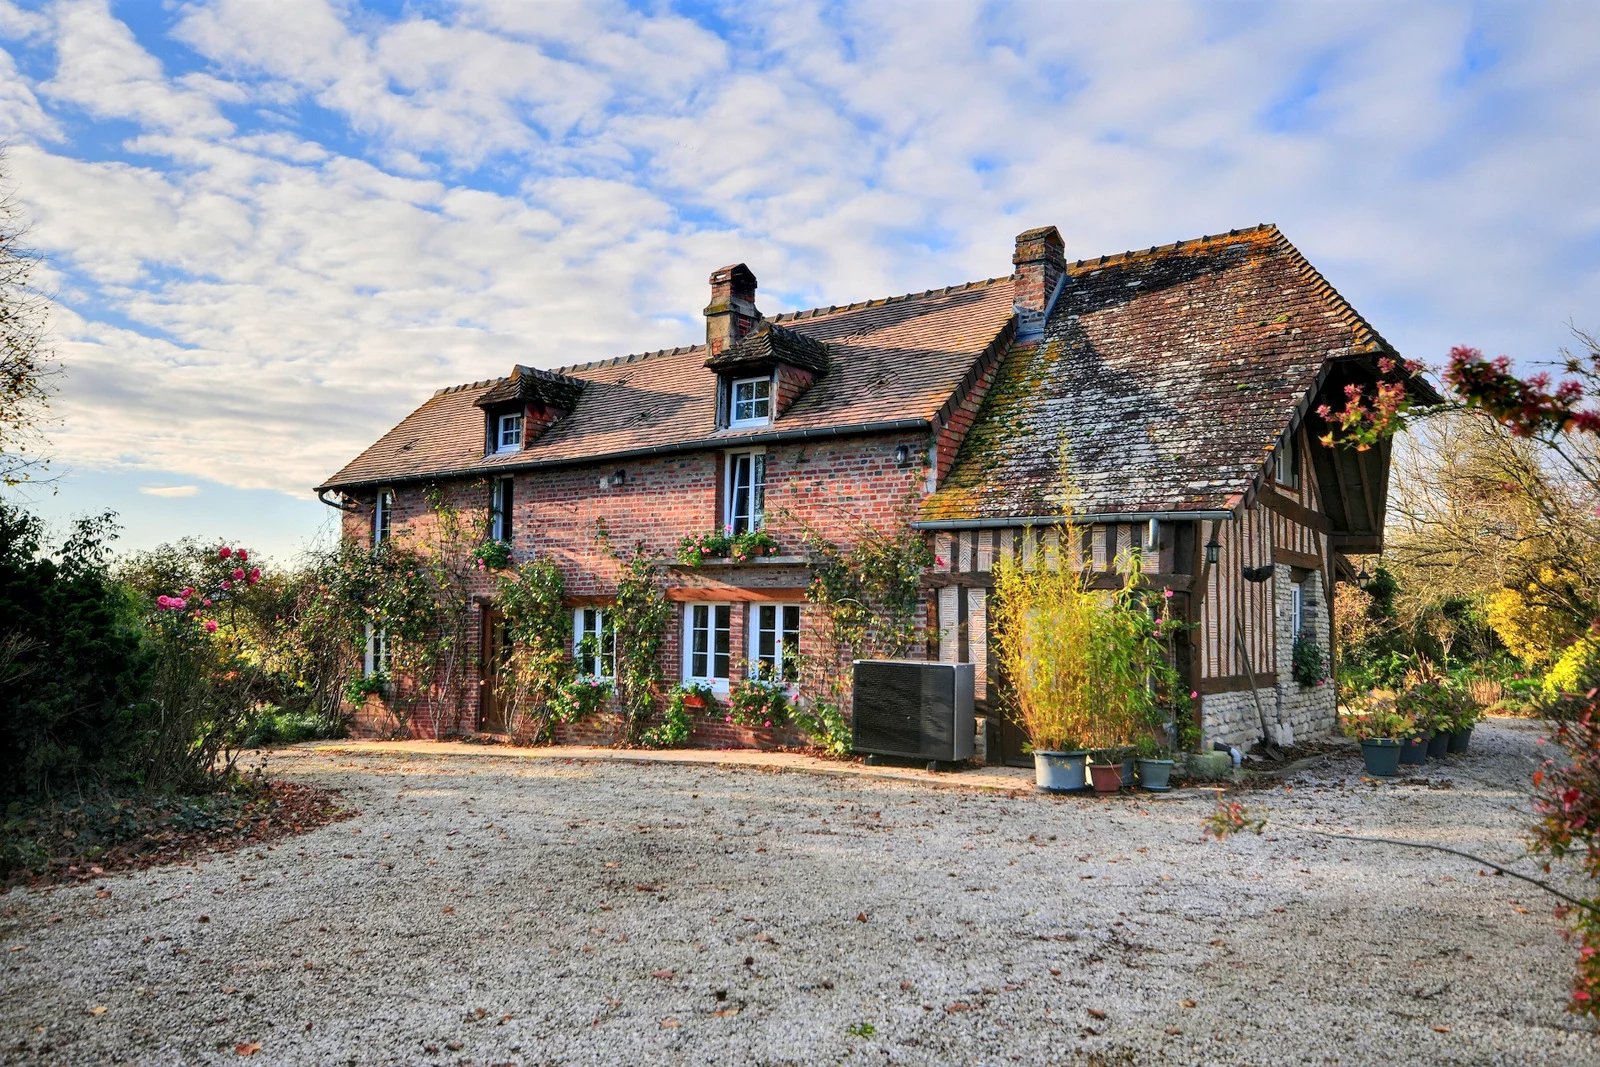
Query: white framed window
[1287,471]
[594,643]
[750,402]
[376,660]
[381,508]
[508,433]
[706,629]
[775,641]
[500,510]
[1297,609]
[745,494]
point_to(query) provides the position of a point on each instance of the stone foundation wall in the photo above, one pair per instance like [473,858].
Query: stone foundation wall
[1295,714]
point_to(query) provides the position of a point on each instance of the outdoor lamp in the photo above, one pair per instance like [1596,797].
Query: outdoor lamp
[902,456]
[616,479]
[1213,549]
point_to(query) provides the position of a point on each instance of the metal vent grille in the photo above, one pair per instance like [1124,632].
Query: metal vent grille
[914,709]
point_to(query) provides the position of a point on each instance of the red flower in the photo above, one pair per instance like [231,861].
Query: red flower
[224,552]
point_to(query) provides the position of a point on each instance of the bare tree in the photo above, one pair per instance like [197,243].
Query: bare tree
[26,365]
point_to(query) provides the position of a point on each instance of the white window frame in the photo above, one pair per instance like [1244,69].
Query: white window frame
[1297,609]
[753,515]
[499,514]
[382,517]
[767,670]
[603,664]
[764,402]
[1286,468]
[378,659]
[504,442]
[691,626]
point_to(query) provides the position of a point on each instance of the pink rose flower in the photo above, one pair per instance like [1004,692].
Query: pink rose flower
[238,574]
[226,584]
[211,626]
[1166,594]
[767,724]
[728,719]
[206,602]
[243,555]
[224,552]
[255,575]
[1194,694]
[188,591]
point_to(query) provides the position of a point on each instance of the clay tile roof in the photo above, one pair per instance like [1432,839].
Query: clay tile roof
[1168,375]
[769,343]
[893,360]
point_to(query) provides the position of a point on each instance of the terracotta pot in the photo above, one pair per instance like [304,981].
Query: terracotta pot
[1107,777]
[692,701]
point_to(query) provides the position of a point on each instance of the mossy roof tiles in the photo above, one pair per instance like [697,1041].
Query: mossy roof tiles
[1165,377]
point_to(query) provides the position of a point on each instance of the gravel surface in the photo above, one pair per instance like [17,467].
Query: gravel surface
[487,909]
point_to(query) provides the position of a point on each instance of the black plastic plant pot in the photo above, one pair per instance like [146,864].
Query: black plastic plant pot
[1382,756]
[1439,744]
[1414,751]
[1459,740]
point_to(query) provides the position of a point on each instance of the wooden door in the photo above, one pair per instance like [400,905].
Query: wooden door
[491,715]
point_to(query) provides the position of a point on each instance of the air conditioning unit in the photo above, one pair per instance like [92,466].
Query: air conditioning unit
[914,709]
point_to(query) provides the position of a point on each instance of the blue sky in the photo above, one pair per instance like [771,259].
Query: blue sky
[272,229]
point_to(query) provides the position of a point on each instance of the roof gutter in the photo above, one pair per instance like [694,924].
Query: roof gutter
[1075,520]
[322,496]
[701,445]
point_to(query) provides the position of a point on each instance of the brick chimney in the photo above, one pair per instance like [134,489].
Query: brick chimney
[1040,261]
[732,312]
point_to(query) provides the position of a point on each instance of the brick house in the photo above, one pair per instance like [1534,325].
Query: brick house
[1183,381]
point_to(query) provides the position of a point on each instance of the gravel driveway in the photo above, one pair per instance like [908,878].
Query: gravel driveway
[485,909]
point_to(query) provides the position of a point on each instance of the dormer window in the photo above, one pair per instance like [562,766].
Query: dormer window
[508,433]
[750,402]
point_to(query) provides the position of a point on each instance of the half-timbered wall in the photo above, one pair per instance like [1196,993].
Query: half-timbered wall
[963,578]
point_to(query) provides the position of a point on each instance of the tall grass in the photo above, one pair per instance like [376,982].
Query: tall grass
[1079,661]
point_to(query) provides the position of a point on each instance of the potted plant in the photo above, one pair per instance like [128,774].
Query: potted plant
[1106,777]
[1379,731]
[493,555]
[697,696]
[1155,768]
[1466,719]
[1062,768]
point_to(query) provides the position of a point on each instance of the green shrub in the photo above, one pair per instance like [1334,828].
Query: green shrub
[74,667]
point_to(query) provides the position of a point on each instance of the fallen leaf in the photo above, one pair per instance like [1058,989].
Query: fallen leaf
[669,1023]
[960,1005]
[448,910]
[861,916]
[1096,1013]
[102,893]
[247,1048]
[1173,1031]
[1440,1028]
[98,1009]
[906,985]
[665,972]
[1190,1004]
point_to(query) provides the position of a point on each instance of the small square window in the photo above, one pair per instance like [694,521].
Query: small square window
[751,402]
[508,437]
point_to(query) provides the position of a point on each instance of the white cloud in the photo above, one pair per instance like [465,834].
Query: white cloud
[519,182]
[170,490]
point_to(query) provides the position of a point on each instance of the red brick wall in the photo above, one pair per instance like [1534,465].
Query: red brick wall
[832,486]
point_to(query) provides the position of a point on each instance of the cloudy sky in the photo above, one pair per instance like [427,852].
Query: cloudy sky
[273,227]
